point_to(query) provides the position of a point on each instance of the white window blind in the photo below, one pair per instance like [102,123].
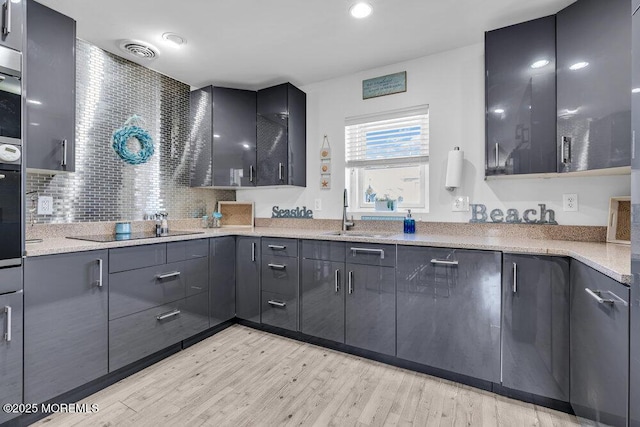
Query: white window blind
[392,138]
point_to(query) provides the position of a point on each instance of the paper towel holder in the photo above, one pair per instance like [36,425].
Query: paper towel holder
[453,177]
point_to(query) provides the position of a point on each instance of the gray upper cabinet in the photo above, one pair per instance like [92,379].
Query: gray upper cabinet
[521,98]
[50,79]
[12,25]
[449,310]
[594,80]
[634,374]
[535,325]
[222,279]
[248,278]
[635,95]
[10,351]
[65,322]
[223,144]
[281,136]
[599,346]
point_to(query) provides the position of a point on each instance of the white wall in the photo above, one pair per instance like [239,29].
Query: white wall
[452,84]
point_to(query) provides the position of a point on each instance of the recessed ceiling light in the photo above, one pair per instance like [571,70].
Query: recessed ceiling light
[635,90]
[361,10]
[541,63]
[578,66]
[174,39]
[498,111]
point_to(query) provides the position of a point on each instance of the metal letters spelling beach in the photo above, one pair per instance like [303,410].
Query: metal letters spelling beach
[529,216]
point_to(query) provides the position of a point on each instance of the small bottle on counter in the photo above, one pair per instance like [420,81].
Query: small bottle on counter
[165,225]
[205,221]
[409,224]
[158,226]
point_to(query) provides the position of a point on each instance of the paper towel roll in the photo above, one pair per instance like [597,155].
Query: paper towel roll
[454,169]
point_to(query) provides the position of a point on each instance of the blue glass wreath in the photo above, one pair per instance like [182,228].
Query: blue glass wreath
[131,129]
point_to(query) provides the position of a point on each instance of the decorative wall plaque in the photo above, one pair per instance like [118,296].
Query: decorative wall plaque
[302,212]
[384,85]
[479,214]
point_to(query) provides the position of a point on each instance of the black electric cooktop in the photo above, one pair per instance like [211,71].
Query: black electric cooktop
[130,236]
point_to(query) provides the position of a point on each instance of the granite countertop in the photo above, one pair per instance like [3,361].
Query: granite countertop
[612,260]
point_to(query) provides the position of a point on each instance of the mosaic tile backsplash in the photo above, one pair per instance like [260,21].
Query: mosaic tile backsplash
[110,89]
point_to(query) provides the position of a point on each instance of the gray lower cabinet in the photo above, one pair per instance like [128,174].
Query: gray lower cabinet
[599,346]
[248,278]
[222,285]
[370,309]
[279,281]
[65,322]
[51,96]
[449,310]
[11,310]
[535,325]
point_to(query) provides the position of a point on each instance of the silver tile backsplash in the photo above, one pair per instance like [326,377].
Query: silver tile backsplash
[109,90]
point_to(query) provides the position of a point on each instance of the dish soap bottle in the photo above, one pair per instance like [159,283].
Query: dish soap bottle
[409,224]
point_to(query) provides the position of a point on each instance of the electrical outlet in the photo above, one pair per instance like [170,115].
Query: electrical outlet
[317,206]
[460,204]
[45,205]
[570,202]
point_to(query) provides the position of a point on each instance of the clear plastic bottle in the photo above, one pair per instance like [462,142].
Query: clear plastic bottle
[409,224]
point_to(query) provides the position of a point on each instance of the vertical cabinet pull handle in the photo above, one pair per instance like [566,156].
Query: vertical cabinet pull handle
[515,278]
[566,149]
[64,151]
[99,283]
[280,171]
[497,155]
[251,173]
[337,277]
[350,277]
[6,28]
[253,252]
[7,310]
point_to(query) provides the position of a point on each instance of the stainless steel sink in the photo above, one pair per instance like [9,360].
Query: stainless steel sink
[355,234]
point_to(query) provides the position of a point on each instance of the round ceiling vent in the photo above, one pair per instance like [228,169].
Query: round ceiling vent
[139,49]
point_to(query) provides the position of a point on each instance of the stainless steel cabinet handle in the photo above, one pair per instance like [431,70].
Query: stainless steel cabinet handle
[100,272]
[368,250]
[253,252]
[566,149]
[167,315]
[497,155]
[277,303]
[277,266]
[277,247]
[515,278]
[196,287]
[337,279]
[167,275]
[350,279]
[443,262]
[280,171]
[7,310]
[597,295]
[64,151]
[6,28]
[251,173]
[2,176]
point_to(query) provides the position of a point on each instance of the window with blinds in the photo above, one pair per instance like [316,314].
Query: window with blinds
[387,158]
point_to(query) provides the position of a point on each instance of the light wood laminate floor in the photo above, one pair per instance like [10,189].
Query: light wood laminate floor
[245,377]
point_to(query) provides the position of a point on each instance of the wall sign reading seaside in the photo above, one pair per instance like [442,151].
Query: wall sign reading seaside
[302,212]
[529,216]
[384,85]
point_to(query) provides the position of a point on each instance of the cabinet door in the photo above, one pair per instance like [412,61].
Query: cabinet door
[371,308]
[297,129]
[201,137]
[635,94]
[12,30]
[50,84]
[449,310]
[535,325]
[322,299]
[594,100]
[272,135]
[65,322]
[248,278]
[599,346]
[521,98]
[222,287]
[10,351]
[234,137]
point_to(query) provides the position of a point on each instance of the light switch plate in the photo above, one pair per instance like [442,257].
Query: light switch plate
[460,204]
[570,202]
[317,206]
[45,205]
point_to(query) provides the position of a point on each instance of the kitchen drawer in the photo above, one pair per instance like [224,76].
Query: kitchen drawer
[10,279]
[134,257]
[279,247]
[280,275]
[197,275]
[324,250]
[134,337]
[187,249]
[137,290]
[280,310]
[362,253]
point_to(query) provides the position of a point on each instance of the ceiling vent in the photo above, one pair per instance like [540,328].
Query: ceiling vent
[139,49]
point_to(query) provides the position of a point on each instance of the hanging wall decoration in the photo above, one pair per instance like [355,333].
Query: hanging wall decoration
[133,129]
[325,164]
